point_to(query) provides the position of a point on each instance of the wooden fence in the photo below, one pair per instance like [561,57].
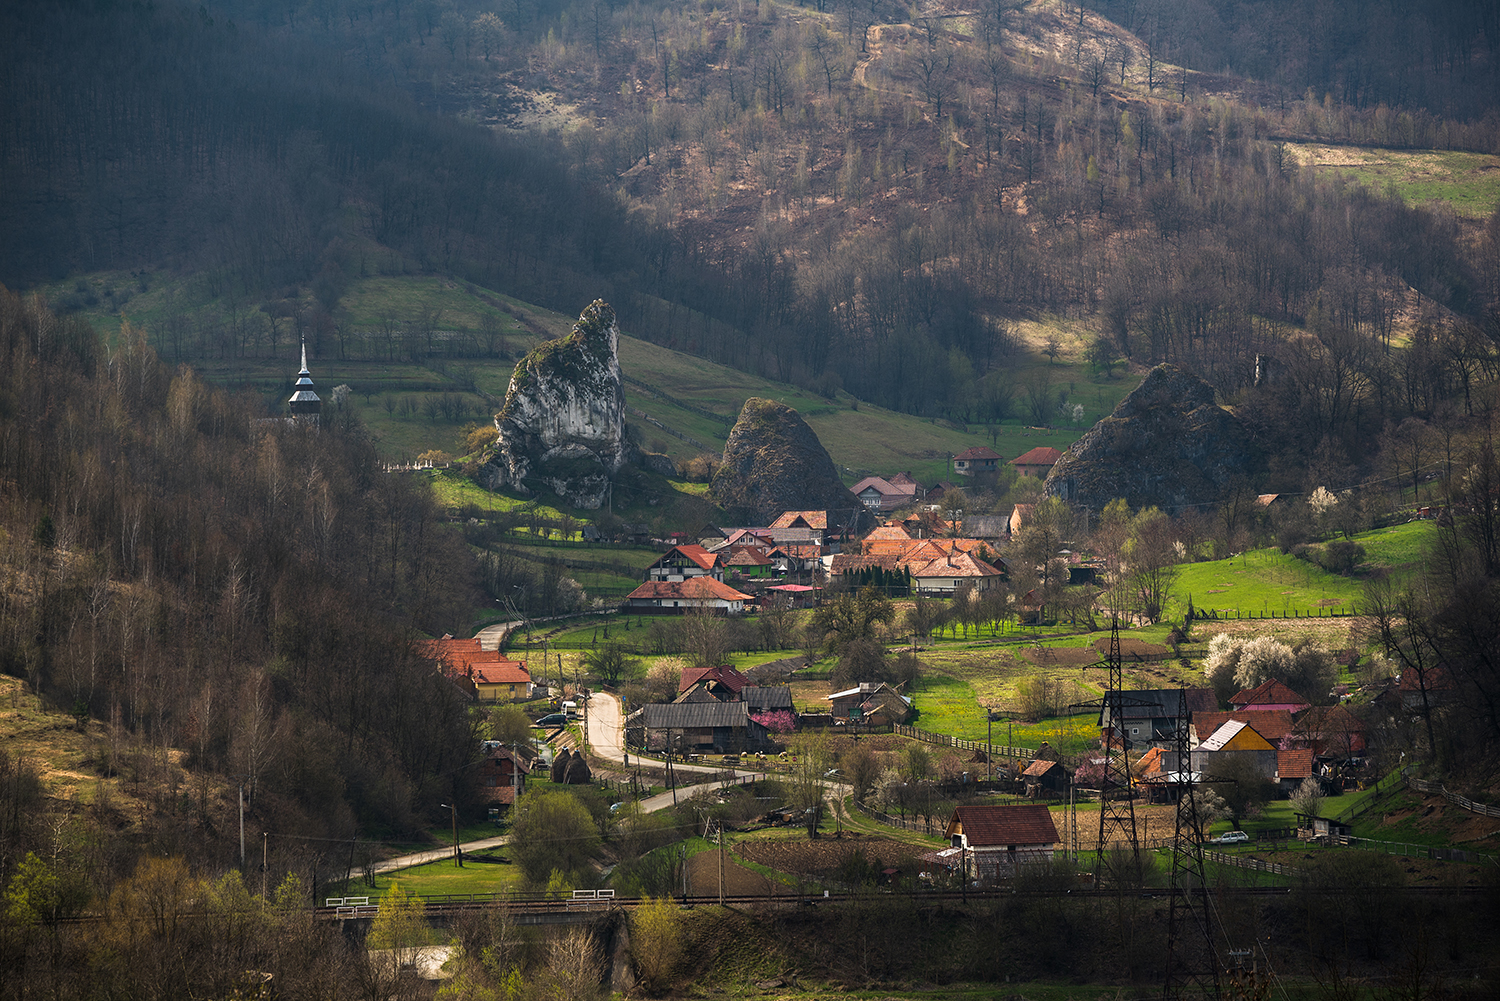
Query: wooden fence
[947,740]
[921,827]
[1247,862]
[1422,785]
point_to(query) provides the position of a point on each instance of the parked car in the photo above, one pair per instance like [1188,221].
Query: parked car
[1231,838]
[552,719]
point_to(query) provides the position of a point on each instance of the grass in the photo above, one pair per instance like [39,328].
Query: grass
[1467,182]
[1261,582]
[859,436]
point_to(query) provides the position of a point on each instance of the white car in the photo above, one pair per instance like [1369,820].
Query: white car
[1231,838]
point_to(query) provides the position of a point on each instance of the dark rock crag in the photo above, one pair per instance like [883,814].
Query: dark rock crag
[1167,444]
[773,462]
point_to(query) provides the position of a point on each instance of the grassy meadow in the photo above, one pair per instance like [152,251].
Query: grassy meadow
[1469,183]
[376,314]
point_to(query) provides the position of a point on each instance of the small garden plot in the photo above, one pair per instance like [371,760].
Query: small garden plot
[832,858]
[739,880]
[1131,648]
[1057,656]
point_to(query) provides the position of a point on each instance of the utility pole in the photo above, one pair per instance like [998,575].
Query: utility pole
[242,827]
[458,856]
[265,847]
[721,863]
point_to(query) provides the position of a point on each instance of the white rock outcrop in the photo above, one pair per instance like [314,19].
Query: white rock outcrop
[563,422]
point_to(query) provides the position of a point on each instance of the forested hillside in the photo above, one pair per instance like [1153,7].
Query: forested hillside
[229,596]
[846,195]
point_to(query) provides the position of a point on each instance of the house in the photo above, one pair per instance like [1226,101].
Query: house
[999,840]
[1329,732]
[879,494]
[725,680]
[945,575]
[871,702]
[747,561]
[1292,767]
[714,727]
[1149,716]
[1234,742]
[1272,724]
[1042,775]
[1019,516]
[683,562]
[502,772]
[887,540]
[767,698]
[1038,462]
[1435,682]
[486,675]
[501,680]
[1271,694]
[976,459]
[815,522]
[986,527]
[662,597]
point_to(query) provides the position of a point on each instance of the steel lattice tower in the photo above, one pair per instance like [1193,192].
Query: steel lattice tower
[1116,813]
[1192,956]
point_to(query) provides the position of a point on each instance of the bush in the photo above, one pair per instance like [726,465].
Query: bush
[1341,556]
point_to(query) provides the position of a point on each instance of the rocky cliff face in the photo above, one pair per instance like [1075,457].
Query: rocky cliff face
[563,422]
[1167,444]
[773,462]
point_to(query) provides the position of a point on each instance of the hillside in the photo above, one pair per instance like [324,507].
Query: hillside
[477,333]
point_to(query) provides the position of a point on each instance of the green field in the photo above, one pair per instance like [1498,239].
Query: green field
[1468,182]
[1261,582]
[376,315]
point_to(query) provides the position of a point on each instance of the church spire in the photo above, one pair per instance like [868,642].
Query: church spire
[304,402]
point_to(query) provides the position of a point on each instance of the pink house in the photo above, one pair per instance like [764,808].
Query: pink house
[1270,695]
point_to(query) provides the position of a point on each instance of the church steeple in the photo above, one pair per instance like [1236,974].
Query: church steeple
[304,402]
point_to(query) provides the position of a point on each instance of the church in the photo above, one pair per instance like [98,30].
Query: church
[304,404]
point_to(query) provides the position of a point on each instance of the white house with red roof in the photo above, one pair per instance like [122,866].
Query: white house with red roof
[1037,462]
[682,562]
[880,494]
[678,597]
[998,840]
[977,459]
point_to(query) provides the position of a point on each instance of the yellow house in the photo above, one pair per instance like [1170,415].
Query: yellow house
[1236,736]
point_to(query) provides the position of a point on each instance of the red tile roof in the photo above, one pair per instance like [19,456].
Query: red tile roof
[812,519]
[1294,764]
[505,672]
[977,452]
[986,826]
[1271,692]
[1042,455]
[693,587]
[1272,724]
[694,552]
[746,556]
[726,674]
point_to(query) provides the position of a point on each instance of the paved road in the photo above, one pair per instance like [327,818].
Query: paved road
[436,854]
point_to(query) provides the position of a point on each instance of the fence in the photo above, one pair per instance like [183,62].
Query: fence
[947,740]
[1409,850]
[671,431]
[1246,862]
[1217,614]
[921,827]
[1381,787]
[1422,785]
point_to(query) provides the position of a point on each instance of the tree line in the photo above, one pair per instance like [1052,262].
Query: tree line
[224,594]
